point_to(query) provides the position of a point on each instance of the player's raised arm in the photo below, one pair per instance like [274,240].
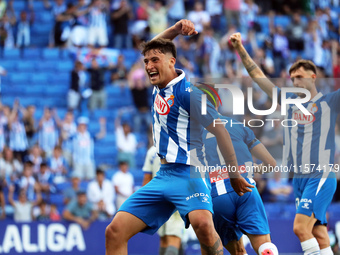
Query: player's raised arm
[182,27]
[253,70]
[239,184]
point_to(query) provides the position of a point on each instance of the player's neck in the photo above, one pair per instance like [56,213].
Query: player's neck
[313,93]
[173,75]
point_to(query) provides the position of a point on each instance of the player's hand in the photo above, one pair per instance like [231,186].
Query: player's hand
[236,40]
[240,185]
[185,27]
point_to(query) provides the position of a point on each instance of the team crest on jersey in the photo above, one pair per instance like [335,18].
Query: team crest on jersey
[161,106]
[171,100]
[314,108]
[303,119]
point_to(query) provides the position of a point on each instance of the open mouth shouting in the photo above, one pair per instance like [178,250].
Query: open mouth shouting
[153,75]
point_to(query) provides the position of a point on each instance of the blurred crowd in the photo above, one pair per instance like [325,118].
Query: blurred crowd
[37,156]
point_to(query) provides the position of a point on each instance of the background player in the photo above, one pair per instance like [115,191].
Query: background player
[175,133]
[235,215]
[308,148]
[171,232]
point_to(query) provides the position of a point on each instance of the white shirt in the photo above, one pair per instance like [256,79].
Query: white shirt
[106,193]
[126,143]
[124,182]
[7,168]
[152,162]
[22,212]
[199,19]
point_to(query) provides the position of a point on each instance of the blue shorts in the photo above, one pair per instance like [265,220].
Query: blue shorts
[235,215]
[173,188]
[314,195]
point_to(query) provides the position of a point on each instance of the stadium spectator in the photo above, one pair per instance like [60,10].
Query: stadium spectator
[157,18]
[120,25]
[215,9]
[58,165]
[80,211]
[17,134]
[2,199]
[140,93]
[45,180]
[119,72]
[232,12]
[123,183]
[48,131]
[43,214]
[101,194]
[8,22]
[248,11]
[24,24]
[79,33]
[78,85]
[3,127]
[83,149]
[265,62]
[295,32]
[280,49]
[63,26]
[10,167]
[3,6]
[126,141]
[36,157]
[28,183]
[97,85]
[97,33]
[279,188]
[54,213]
[176,11]
[29,123]
[56,8]
[23,208]
[199,17]
[309,37]
[71,192]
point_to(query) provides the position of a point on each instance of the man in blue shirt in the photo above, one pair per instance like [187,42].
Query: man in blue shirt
[177,131]
[308,149]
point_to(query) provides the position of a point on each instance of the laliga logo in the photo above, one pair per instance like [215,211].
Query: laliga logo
[238,99]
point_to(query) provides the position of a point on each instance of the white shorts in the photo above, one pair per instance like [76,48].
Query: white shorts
[79,36]
[84,170]
[97,35]
[173,227]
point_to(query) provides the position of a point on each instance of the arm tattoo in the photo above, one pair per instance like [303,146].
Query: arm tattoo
[213,250]
[248,63]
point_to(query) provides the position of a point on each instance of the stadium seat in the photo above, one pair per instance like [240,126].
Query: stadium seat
[26,66]
[65,66]
[40,79]
[19,78]
[19,5]
[51,54]
[9,65]
[46,66]
[31,54]
[283,21]
[109,173]
[56,91]
[12,54]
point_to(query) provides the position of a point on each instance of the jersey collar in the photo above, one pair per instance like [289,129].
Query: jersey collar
[181,76]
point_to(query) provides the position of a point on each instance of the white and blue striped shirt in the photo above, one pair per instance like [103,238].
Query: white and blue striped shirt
[83,148]
[309,146]
[97,18]
[177,121]
[17,137]
[48,135]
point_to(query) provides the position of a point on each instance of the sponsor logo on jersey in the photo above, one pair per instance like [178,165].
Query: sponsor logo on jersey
[222,173]
[204,196]
[305,205]
[161,106]
[303,119]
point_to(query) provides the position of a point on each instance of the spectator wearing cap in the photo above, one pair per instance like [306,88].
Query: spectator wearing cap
[101,194]
[71,192]
[83,151]
[123,183]
[80,211]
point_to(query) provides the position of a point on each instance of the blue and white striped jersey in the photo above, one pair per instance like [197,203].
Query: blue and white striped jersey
[243,139]
[177,120]
[17,137]
[97,18]
[309,146]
